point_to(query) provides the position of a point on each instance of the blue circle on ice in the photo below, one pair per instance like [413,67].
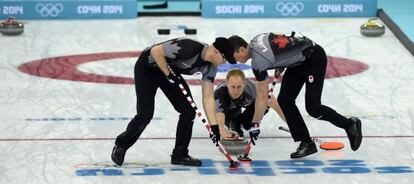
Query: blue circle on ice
[226,67]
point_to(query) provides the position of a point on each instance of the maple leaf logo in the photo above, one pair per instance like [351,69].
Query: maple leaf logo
[280,41]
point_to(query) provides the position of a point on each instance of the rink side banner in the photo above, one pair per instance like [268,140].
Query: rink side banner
[288,8]
[68,9]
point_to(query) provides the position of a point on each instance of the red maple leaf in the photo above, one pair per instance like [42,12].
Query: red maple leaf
[280,41]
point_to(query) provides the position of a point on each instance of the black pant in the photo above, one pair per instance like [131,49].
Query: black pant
[147,81]
[312,72]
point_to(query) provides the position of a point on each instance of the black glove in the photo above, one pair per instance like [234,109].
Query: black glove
[254,132]
[173,79]
[216,134]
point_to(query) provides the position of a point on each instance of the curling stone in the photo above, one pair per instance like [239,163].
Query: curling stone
[372,28]
[11,27]
[234,146]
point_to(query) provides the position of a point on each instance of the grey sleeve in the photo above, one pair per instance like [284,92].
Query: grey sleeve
[261,61]
[218,96]
[209,73]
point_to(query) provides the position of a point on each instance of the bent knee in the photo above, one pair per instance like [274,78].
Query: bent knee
[314,111]
[284,101]
[188,114]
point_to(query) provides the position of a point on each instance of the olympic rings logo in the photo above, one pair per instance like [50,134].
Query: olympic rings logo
[289,8]
[49,9]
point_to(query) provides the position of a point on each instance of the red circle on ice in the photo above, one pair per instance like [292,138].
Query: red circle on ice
[65,68]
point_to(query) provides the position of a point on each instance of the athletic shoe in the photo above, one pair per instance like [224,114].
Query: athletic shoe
[354,133]
[118,155]
[185,160]
[304,149]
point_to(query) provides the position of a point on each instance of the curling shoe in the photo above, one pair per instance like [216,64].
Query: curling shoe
[354,133]
[304,149]
[118,155]
[185,160]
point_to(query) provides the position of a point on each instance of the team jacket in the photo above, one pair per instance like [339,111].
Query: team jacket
[224,101]
[270,51]
[185,56]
